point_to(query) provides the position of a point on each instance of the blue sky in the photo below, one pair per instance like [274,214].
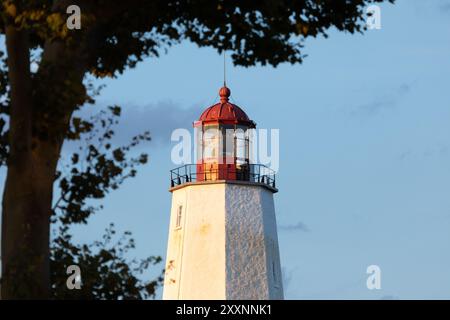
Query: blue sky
[364,155]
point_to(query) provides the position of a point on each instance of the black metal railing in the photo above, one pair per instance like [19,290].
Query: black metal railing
[197,172]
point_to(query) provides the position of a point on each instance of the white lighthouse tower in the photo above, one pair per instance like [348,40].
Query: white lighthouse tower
[223,241]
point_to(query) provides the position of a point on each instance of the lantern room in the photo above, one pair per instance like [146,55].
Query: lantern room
[223,141]
[223,135]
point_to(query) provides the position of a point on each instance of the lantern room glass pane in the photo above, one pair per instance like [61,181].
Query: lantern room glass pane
[228,143]
[242,146]
[211,142]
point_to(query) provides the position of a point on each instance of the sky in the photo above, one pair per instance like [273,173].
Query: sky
[364,176]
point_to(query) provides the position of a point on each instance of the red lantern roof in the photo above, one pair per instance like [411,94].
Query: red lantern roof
[225,112]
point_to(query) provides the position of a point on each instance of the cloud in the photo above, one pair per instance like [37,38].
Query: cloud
[405,154]
[438,150]
[444,6]
[286,275]
[299,226]
[381,103]
[160,119]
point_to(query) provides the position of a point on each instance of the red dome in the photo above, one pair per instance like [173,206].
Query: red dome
[225,112]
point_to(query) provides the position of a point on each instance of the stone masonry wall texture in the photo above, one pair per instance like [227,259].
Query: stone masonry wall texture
[251,244]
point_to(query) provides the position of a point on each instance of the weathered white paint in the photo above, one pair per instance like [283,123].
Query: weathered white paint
[227,245]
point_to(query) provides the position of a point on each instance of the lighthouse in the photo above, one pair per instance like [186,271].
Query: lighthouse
[223,241]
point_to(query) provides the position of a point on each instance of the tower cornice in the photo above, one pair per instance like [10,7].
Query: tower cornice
[247,183]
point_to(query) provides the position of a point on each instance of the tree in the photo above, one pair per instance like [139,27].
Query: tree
[94,170]
[114,36]
[106,273]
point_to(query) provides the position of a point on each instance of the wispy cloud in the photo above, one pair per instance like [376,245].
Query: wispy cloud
[287,275]
[299,226]
[405,154]
[160,119]
[438,150]
[444,6]
[381,103]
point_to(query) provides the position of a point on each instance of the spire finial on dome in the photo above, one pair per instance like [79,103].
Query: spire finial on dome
[224,93]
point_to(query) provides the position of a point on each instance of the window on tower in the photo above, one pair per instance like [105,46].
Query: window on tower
[179,215]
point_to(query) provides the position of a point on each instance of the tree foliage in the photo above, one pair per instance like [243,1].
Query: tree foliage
[93,170]
[4,109]
[96,167]
[106,273]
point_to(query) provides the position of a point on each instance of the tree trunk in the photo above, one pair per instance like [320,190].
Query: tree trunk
[28,189]
[37,131]
[39,119]
[26,226]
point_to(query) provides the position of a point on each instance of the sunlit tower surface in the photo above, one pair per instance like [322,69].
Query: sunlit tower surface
[223,241]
